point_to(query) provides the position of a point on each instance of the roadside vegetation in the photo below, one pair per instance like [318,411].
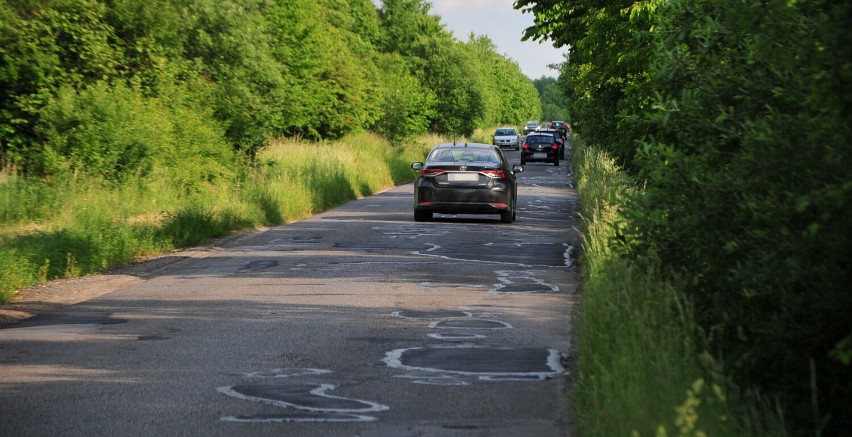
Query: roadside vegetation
[554,103]
[78,225]
[643,366]
[728,232]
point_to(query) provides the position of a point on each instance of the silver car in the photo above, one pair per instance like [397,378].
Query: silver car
[506,137]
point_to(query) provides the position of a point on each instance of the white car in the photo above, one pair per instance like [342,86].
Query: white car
[506,137]
[531,126]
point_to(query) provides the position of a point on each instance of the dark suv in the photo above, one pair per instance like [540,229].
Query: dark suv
[540,147]
[561,139]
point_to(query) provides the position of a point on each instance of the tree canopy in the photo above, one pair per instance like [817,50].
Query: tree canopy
[78,78]
[735,118]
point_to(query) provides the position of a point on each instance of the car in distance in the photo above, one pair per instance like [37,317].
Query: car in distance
[466,178]
[561,125]
[506,137]
[540,147]
[531,126]
[561,139]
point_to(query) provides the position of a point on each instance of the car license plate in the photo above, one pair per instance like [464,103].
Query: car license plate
[463,177]
[539,155]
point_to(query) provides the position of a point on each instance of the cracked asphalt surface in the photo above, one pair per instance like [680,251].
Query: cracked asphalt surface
[357,321]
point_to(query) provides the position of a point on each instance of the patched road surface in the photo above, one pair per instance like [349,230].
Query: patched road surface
[356,322]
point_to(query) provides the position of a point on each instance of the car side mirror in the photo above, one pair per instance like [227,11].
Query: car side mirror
[517,168]
[417,166]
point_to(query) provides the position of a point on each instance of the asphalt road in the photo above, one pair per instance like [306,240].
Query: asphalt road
[356,322]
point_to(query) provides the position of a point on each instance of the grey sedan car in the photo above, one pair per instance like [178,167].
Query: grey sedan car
[466,178]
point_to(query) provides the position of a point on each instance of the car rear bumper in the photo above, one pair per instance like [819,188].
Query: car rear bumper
[462,201]
[540,156]
[463,208]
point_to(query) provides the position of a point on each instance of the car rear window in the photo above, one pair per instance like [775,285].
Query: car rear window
[460,154]
[540,139]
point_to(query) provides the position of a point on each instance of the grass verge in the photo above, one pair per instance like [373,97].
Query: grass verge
[640,369]
[72,227]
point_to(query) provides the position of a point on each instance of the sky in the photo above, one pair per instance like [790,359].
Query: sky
[504,26]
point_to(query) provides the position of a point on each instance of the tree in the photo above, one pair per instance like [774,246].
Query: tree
[553,101]
[606,68]
[510,98]
[45,45]
[734,117]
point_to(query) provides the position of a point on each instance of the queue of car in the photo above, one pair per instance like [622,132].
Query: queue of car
[475,178]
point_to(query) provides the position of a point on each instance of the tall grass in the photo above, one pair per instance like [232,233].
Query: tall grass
[76,226]
[641,370]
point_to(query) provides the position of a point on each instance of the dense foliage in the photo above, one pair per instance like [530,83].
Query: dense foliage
[132,87]
[735,118]
[554,104]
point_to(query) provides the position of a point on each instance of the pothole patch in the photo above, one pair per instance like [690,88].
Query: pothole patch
[300,401]
[521,282]
[470,324]
[302,396]
[430,315]
[258,265]
[297,416]
[456,337]
[488,362]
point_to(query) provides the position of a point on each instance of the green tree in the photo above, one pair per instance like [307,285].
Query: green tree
[408,106]
[553,101]
[739,112]
[606,69]
[510,98]
[43,46]
[747,192]
[438,61]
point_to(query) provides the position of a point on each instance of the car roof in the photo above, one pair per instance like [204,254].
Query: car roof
[541,133]
[463,145]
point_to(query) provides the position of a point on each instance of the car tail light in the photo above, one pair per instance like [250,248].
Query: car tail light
[499,205]
[432,172]
[498,174]
[555,146]
[526,146]
[425,203]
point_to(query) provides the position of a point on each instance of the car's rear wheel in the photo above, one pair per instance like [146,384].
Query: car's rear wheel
[556,161]
[422,216]
[523,162]
[506,216]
